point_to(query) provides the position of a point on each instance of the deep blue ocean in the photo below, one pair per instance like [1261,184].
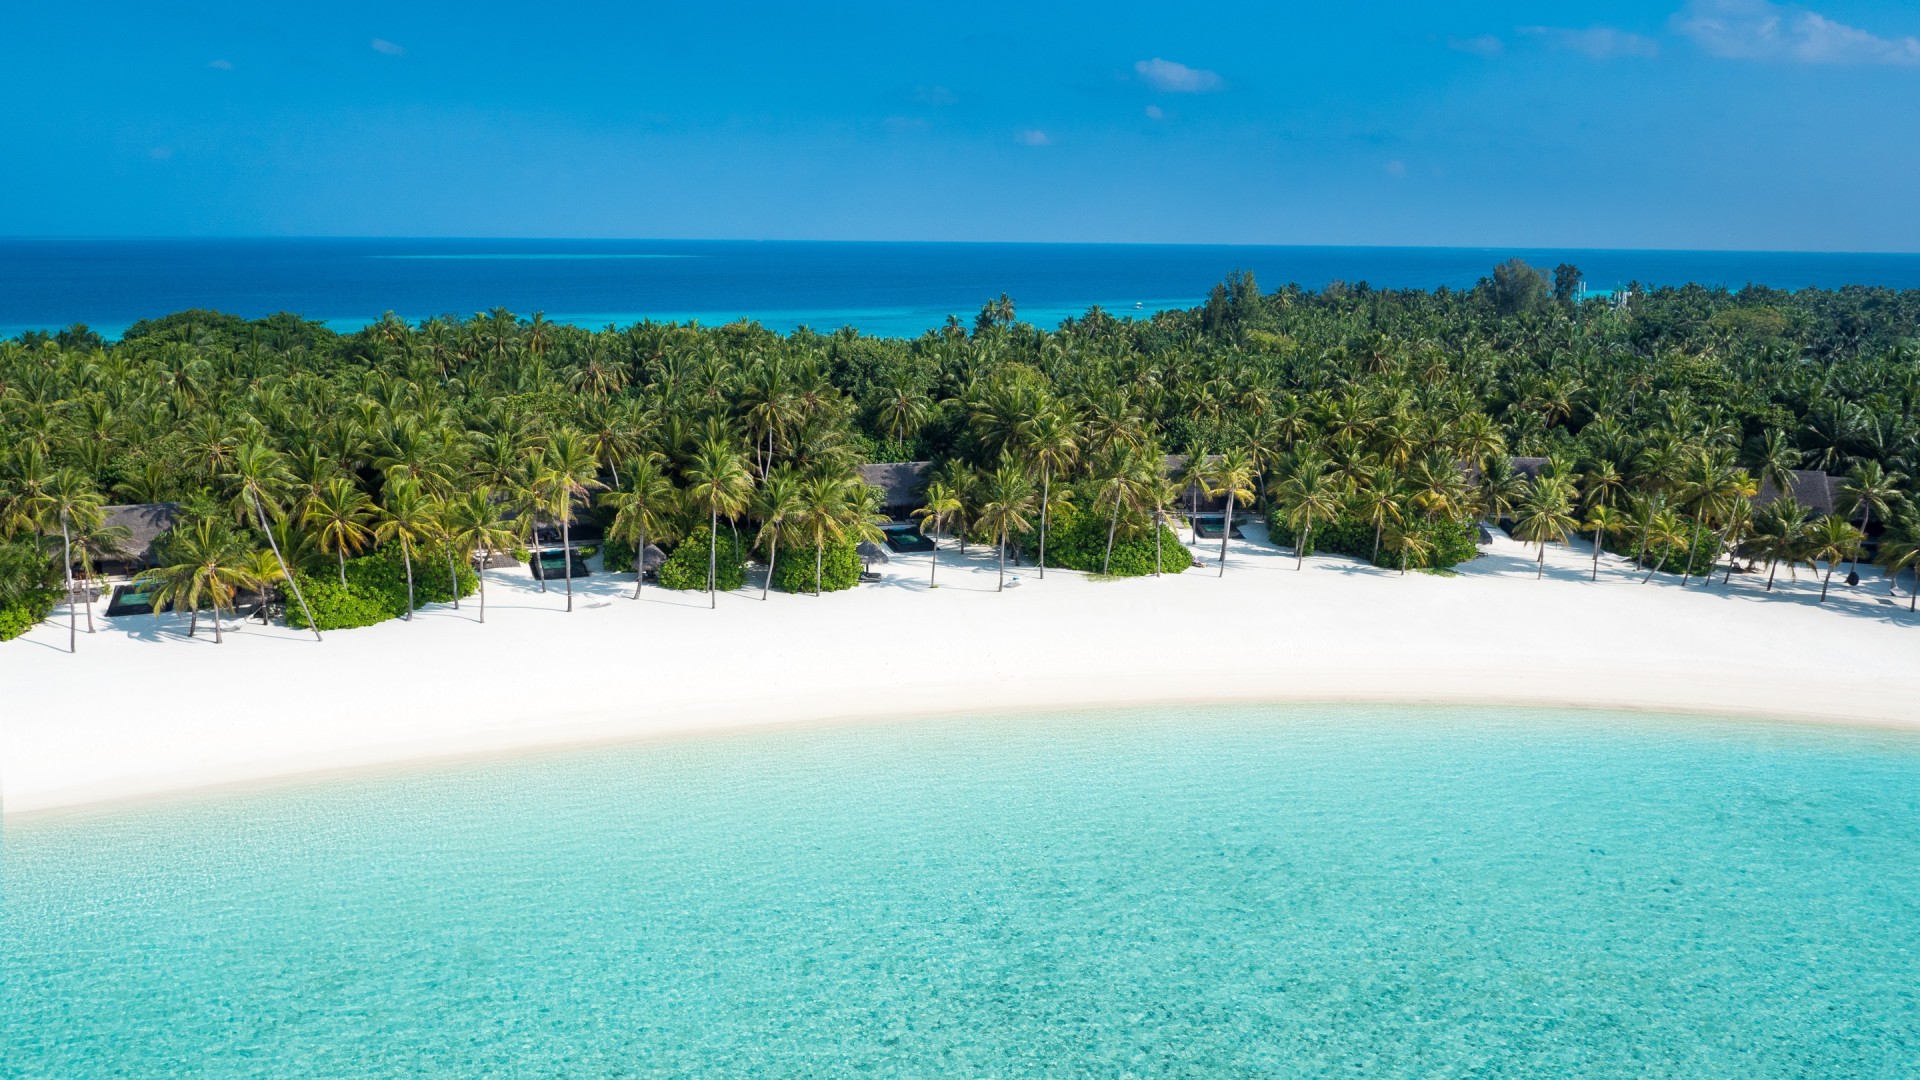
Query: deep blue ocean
[897,289]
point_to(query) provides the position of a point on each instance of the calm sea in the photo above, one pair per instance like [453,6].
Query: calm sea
[1173,892]
[882,288]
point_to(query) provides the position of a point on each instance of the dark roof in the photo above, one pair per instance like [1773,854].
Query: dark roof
[1816,491]
[900,482]
[1529,467]
[1175,464]
[145,523]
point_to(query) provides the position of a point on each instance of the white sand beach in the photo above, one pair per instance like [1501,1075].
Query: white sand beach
[142,710]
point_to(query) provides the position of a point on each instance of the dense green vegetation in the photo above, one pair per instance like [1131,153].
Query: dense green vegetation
[838,566]
[374,588]
[1332,412]
[686,568]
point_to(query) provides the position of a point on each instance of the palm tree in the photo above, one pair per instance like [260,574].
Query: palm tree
[647,505]
[1231,476]
[1900,551]
[1408,542]
[1377,502]
[1605,521]
[1546,514]
[1309,498]
[1779,535]
[1130,475]
[1832,539]
[1193,479]
[720,484]
[776,504]
[339,514]
[941,501]
[474,521]
[405,515]
[67,499]
[1663,529]
[566,473]
[201,562]
[260,475]
[1869,489]
[1051,446]
[1009,498]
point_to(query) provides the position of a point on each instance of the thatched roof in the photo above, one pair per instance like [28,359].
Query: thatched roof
[651,561]
[871,552]
[1529,467]
[145,523]
[900,482]
[1816,491]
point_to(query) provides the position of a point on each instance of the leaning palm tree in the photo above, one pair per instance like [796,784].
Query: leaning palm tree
[405,516]
[1869,489]
[1545,514]
[472,522]
[1309,497]
[1378,503]
[200,563]
[1780,536]
[1663,530]
[777,504]
[260,475]
[719,483]
[1230,476]
[646,506]
[1604,521]
[1010,497]
[1129,476]
[1899,552]
[941,501]
[566,473]
[1833,540]
[1408,542]
[339,514]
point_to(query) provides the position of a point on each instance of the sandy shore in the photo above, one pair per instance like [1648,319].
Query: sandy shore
[142,710]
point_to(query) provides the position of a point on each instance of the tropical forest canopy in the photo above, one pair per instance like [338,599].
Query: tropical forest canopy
[1416,395]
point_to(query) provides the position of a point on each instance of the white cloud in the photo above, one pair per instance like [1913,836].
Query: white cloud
[1483,45]
[1033,137]
[221,65]
[382,45]
[1761,30]
[1598,42]
[1178,78]
[1396,167]
[1155,112]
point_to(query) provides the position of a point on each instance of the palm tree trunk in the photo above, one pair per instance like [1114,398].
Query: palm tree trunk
[819,556]
[1046,489]
[406,556]
[1687,571]
[217,638]
[933,564]
[453,579]
[1112,526]
[1002,586]
[486,557]
[342,553]
[1826,581]
[538,566]
[1159,524]
[773,563]
[1596,556]
[1379,525]
[284,572]
[1225,531]
[1773,567]
[1640,555]
[1658,567]
[1540,564]
[713,556]
[566,556]
[1300,549]
[66,562]
[193,620]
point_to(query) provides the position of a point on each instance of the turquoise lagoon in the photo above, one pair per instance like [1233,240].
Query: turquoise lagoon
[1176,892]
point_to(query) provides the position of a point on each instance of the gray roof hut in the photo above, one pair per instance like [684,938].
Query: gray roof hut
[145,523]
[1816,491]
[901,483]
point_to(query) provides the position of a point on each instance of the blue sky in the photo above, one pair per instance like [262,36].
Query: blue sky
[1683,123]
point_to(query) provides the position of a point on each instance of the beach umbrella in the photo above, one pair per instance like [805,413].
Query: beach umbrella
[871,552]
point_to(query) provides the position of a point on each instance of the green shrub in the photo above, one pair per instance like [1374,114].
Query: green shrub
[376,588]
[1627,544]
[1451,542]
[618,555]
[839,568]
[336,607]
[1080,543]
[19,617]
[686,566]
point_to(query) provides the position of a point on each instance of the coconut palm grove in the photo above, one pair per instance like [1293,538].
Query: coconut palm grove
[347,478]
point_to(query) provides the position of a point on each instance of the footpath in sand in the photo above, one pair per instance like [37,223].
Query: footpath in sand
[142,710]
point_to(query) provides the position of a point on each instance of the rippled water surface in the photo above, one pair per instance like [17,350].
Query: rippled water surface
[1203,892]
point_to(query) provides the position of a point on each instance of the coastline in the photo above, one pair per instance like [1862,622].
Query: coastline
[141,711]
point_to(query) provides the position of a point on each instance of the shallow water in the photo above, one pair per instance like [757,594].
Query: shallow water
[1206,892]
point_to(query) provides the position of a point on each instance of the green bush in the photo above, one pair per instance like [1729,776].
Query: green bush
[617,555]
[1627,544]
[28,587]
[1079,542]
[839,568]
[19,617]
[1451,542]
[686,565]
[376,588]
